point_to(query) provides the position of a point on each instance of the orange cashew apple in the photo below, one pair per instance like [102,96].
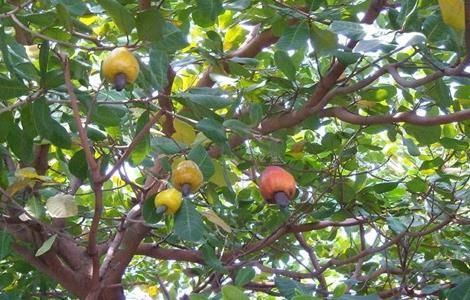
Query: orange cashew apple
[277,186]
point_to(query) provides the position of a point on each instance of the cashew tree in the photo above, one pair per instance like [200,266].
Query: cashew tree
[133,136]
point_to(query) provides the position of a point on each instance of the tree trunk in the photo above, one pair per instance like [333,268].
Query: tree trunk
[112,293]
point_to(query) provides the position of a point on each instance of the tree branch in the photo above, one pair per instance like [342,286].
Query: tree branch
[165,103]
[316,265]
[407,117]
[134,143]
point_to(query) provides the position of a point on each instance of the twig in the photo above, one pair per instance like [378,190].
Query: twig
[19,103]
[15,10]
[133,144]
[316,265]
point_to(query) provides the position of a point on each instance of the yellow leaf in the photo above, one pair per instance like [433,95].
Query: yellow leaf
[184,133]
[19,185]
[117,181]
[453,13]
[31,174]
[87,20]
[32,51]
[153,290]
[214,218]
[231,35]
[225,19]
[366,103]
[218,177]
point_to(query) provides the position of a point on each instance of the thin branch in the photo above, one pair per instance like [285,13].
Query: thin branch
[20,103]
[96,176]
[16,9]
[76,115]
[316,265]
[133,144]
[406,117]
[64,43]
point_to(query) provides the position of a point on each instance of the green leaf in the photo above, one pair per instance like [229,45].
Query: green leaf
[11,88]
[460,265]
[355,31]
[237,127]
[212,129]
[34,208]
[346,58]
[230,292]
[461,291]
[439,91]
[76,8]
[3,176]
[425,135]
[49,128]
[244,276]
[173,39]
[150,25]
[42,118]
[6,279]
[208,254]
[379,93]
[149,213]
[416,185]
[20,143]
[167,146]
[44,58]
[59,136]
[143,147]
[411,147]
[431,164]
[396,224]
[339,290]
[285,64]
[382,187]
[435,29]
[288,287]
[200,156]
[46,246]
[207,11]
[109,115]
[188,222]
[198,297]
[95,135]
[120,15]
[206,100]
[159,63]
[64,16]
[6,122]
[454,144]
[78,165]
[5,244]
[408,12]
[331,141]
[324,41]
[294,37]
[304,297]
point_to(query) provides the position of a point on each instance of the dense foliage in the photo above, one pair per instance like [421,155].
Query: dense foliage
[366,103]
